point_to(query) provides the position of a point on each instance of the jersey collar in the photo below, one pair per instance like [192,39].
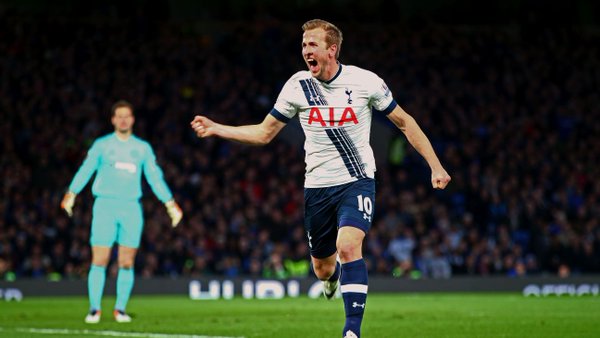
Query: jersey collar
[335,76]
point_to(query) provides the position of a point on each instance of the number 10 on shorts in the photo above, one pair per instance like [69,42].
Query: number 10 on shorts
[365,205]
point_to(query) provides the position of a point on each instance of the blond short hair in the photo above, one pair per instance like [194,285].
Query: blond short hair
[333,34]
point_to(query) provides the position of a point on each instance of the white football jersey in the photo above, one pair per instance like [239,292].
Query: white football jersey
[336,119]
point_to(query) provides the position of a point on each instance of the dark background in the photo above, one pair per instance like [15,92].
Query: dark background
[546,13]
[507,93]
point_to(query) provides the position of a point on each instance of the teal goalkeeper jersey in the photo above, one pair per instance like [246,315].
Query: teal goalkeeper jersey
[119,166]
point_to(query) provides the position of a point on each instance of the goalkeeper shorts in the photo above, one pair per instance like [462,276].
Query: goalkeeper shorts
[115,220]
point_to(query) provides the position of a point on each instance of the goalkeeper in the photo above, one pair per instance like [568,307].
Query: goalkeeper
[119,160]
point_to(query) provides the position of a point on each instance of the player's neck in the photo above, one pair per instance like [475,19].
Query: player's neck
[123,135]
[331,72]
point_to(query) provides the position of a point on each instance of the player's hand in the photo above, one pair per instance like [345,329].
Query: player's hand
[440,179]
[203,126]
[174,212]
[68,202]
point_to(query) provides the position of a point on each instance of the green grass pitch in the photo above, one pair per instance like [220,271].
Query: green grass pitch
[455,315]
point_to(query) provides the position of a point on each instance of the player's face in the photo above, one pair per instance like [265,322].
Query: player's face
[123,120]
[316,54]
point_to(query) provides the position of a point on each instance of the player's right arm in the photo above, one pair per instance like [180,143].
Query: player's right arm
[83,175]
[255,134]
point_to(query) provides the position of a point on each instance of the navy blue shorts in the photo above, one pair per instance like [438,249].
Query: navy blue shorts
[327,209]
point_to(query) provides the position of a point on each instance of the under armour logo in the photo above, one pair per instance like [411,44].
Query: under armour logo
[350,334]
[355,304]
[309,238]
[316,99]
[348,92]
[365,216]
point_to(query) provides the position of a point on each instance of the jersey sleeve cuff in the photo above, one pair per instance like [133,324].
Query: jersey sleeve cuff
[279,116]
[387,110]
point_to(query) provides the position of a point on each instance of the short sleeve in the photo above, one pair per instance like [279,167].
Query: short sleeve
[381,96]
[284,108]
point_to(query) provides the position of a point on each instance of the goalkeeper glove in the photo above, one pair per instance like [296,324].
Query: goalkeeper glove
[67,202]
[174,212]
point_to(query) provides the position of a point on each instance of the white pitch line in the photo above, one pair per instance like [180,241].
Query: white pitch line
[105,333]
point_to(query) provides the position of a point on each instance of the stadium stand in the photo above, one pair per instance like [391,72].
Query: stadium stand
[511,109]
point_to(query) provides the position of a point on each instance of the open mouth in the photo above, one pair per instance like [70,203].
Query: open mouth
[312,64]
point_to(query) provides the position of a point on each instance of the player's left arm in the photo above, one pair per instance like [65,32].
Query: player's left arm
[154,176]
[417,138]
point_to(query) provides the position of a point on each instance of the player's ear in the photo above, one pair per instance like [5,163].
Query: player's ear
[333,50]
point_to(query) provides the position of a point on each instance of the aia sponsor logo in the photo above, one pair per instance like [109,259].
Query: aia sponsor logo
[331,116]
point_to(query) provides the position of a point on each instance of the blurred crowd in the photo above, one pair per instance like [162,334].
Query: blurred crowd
[512,111]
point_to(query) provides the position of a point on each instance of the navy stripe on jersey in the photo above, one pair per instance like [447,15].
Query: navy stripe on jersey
[310,93]
[307,93]
[347,151]
[276,114]
[338,144]
[355,154]
[353,151]
[317,90]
